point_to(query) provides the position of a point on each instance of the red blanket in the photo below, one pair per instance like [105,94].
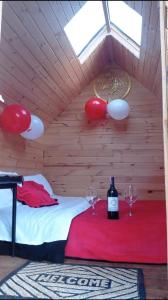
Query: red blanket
[34,195]
[140,238]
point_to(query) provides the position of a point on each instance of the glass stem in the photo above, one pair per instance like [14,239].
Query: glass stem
[130,212]
[93,211]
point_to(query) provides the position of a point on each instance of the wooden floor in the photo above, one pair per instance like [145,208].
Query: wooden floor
[155,276]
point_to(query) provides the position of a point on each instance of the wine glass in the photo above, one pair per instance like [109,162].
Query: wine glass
[130,196]
[91,197]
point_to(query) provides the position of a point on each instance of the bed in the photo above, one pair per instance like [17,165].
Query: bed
[41,233]
[70,230]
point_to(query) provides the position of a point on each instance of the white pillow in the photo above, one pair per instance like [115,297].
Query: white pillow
[6,195]
[39,178]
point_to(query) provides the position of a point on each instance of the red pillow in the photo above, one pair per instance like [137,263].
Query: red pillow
[34,195]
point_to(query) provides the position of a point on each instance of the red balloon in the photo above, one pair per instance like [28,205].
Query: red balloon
[96,108]
[15,118]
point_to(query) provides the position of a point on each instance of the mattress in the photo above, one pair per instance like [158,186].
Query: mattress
[35,226]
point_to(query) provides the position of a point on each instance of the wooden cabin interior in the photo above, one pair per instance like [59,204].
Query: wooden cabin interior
[40,70]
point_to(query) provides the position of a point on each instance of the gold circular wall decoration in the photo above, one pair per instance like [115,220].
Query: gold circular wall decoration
[112,84]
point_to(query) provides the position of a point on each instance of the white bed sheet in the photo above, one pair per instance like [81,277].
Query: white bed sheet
[35,226]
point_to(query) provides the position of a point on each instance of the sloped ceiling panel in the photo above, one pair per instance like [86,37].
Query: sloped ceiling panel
[38,67]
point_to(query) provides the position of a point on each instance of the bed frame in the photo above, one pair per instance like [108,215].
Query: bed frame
[54,251]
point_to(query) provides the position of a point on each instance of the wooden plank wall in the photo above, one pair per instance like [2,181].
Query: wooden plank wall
[164,60]
[79,152]
[19,155]
[164,44]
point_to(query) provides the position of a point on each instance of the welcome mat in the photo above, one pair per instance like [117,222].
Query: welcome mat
[65,281]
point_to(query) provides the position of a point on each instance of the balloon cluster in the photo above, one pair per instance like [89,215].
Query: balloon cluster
[97,108]
[17,119]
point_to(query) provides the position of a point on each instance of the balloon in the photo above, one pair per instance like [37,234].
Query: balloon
[15,118]
[35,130]
[118,109]
[95,108]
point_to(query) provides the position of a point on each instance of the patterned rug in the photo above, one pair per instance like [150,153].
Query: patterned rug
[36,280]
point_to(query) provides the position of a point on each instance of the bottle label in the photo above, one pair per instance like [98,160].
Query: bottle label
[112,203]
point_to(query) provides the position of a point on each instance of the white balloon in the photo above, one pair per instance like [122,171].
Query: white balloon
[35,130]
[118,109]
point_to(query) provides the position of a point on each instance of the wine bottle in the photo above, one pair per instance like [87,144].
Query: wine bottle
[112,198]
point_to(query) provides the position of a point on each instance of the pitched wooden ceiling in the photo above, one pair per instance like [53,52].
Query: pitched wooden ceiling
[38,67]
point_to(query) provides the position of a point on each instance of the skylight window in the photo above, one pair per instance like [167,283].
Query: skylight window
[96,19]
[82,28]
[126,19]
